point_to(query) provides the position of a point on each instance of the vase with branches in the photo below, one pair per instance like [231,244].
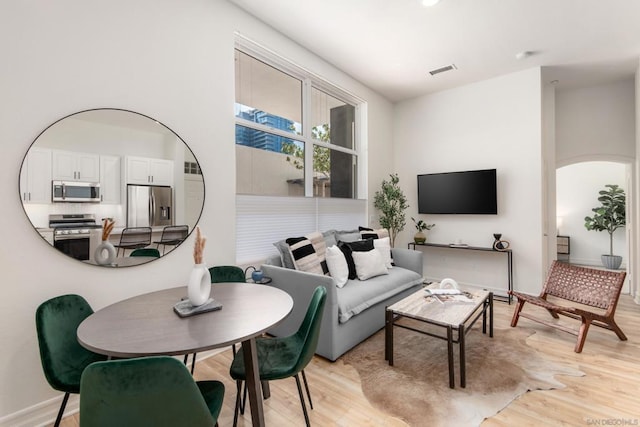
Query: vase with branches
[421,226]
[392,204]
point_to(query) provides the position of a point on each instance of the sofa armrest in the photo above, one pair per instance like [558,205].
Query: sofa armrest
[408,258]
[300,285]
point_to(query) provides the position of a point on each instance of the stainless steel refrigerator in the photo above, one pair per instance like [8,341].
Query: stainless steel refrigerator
[149,206]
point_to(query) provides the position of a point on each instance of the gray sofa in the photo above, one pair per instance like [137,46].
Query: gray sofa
[352,313]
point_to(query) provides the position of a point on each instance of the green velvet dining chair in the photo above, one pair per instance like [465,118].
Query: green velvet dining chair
[221,274]
[150,252]
[226,274]
[63,358]
[152,391]
[285,357]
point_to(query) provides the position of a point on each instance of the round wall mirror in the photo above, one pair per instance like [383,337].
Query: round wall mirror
[109,166]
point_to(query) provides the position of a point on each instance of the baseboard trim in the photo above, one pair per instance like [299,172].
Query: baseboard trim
[41,414]
[44,413]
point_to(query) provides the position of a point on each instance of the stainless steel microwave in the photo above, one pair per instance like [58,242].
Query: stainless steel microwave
[75,191]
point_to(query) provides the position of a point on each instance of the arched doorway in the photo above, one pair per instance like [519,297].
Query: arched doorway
[577,187]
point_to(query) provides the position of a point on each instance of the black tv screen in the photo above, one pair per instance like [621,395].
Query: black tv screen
[468,192]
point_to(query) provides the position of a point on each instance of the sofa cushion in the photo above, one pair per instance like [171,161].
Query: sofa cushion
[317,240]
[383,245]
[358,295]
[285,254]
[369,264]
[374,234]
[337,264]
[304,255]
[348,247]
[347,236]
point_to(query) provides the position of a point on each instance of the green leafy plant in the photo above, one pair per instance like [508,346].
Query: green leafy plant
[421,225]
[321,155]
[610,215]
[392,203]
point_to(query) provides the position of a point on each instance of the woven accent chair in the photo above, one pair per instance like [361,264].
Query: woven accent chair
[587,287]
[147,392]
[63,358]
[285,357]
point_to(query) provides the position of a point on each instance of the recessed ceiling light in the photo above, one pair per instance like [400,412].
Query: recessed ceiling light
[524,54]
[429,3]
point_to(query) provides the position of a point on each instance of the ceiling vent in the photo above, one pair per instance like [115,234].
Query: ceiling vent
[443,69]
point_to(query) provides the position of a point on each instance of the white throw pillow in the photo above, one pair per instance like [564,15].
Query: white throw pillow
[337,264]
[368,264]
[383,245]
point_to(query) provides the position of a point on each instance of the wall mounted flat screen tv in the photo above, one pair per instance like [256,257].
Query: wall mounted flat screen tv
[467,192]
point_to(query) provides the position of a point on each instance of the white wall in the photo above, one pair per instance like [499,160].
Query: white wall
[635,204]
[495,123]
[596,123]
[577,192]
[170,60]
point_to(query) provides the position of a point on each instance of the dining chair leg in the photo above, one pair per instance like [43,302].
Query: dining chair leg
[61,410]
[237,407]
[243,401]
[304,407]
[193,363]
[306,386]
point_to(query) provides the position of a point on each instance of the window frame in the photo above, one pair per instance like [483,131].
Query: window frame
[309,81]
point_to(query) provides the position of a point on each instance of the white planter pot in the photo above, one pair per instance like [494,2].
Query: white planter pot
[199,286]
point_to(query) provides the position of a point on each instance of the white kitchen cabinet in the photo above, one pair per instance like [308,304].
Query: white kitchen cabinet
[35,177]
[73,166]
[110,179]
[149,171]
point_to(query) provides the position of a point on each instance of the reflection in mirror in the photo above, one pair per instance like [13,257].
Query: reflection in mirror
[115,164]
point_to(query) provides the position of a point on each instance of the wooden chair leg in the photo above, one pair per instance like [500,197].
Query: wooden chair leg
[516,313]
[582,334]
[615,328]
[304,407]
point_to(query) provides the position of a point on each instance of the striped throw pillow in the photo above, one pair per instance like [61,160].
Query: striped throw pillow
[304,255]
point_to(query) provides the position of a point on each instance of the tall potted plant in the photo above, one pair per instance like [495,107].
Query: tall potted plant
[392,203]
[609,216]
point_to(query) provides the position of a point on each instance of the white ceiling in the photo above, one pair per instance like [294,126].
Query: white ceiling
[391,45]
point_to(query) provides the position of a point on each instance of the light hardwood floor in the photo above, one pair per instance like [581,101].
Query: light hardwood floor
[609,393]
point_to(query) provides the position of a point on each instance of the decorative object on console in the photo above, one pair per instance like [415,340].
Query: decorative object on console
[609,216]
[256,275]
[199,286]
[392,202]
[500,245]
[421,226]
[105,252]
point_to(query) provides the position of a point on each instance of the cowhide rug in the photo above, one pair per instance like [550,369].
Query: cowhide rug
[416,389]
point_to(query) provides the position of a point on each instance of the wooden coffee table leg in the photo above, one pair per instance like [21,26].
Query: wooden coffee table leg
[491,314]
[388,337]
[452,383]
[463,371]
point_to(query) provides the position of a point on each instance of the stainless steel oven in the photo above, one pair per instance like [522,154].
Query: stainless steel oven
[73,234]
